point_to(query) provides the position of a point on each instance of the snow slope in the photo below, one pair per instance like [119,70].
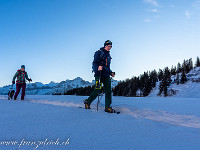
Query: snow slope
[144,123]
[191,89]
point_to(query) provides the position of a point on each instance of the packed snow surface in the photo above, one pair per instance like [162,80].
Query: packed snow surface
[57,122]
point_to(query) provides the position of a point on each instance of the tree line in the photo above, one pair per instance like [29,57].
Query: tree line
[142,85]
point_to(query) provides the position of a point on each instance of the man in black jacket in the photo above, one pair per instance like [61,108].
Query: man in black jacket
[101,68]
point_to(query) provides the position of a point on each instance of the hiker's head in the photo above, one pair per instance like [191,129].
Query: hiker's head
[107,45]
[23,67]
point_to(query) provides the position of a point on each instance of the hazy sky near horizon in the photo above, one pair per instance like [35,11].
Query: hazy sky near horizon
[56,39]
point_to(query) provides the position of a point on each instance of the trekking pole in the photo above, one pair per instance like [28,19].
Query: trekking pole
[112,80]
[98,95]
[28,84]
[98,101]
[98,88]
[28,89]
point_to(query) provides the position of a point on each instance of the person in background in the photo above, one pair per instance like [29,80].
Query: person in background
[21,76]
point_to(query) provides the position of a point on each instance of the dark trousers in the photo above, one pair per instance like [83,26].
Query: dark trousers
[108,92]
[18,88]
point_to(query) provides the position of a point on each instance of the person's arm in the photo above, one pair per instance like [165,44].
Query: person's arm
[110,71]
[96,61]
[29,79]
[107,68]
[15,76]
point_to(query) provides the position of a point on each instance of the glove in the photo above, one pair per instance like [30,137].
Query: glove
[30,80]
[13,82]
[113,74]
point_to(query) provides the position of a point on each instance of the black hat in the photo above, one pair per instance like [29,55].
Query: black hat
[108,42]
[23,66]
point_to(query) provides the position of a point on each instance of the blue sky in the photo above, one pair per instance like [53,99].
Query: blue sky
[56,39]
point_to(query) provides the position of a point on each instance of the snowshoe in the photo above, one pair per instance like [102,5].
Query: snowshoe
[87,105]
[109,110]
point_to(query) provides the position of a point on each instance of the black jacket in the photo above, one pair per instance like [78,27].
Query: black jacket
[102,58]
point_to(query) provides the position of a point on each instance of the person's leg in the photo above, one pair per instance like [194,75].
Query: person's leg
[94,94]
[108,91]
[12,94]
[9,95]
[23,91]
[18,87]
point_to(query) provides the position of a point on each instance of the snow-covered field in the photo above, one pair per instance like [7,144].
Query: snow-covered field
[56,122]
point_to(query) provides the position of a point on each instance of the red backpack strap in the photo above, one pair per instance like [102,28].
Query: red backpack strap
[19,72]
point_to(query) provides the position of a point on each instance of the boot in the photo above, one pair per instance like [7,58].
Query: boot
[87,105]
[109,110]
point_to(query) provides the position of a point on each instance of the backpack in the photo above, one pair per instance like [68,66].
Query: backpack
[101,57]
[20,73]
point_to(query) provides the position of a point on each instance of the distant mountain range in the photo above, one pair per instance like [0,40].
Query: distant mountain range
[39,88]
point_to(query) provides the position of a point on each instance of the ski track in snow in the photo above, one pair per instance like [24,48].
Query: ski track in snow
[66,104]
[158,116]
[164,117]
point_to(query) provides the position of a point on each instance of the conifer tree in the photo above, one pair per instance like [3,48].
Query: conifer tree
[183,78]
[190,64]
[197,62]
[173,70]
[160,75]
[177,79]
[179,68]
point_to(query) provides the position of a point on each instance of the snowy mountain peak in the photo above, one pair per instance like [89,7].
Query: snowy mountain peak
[78,79]
[52,84]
